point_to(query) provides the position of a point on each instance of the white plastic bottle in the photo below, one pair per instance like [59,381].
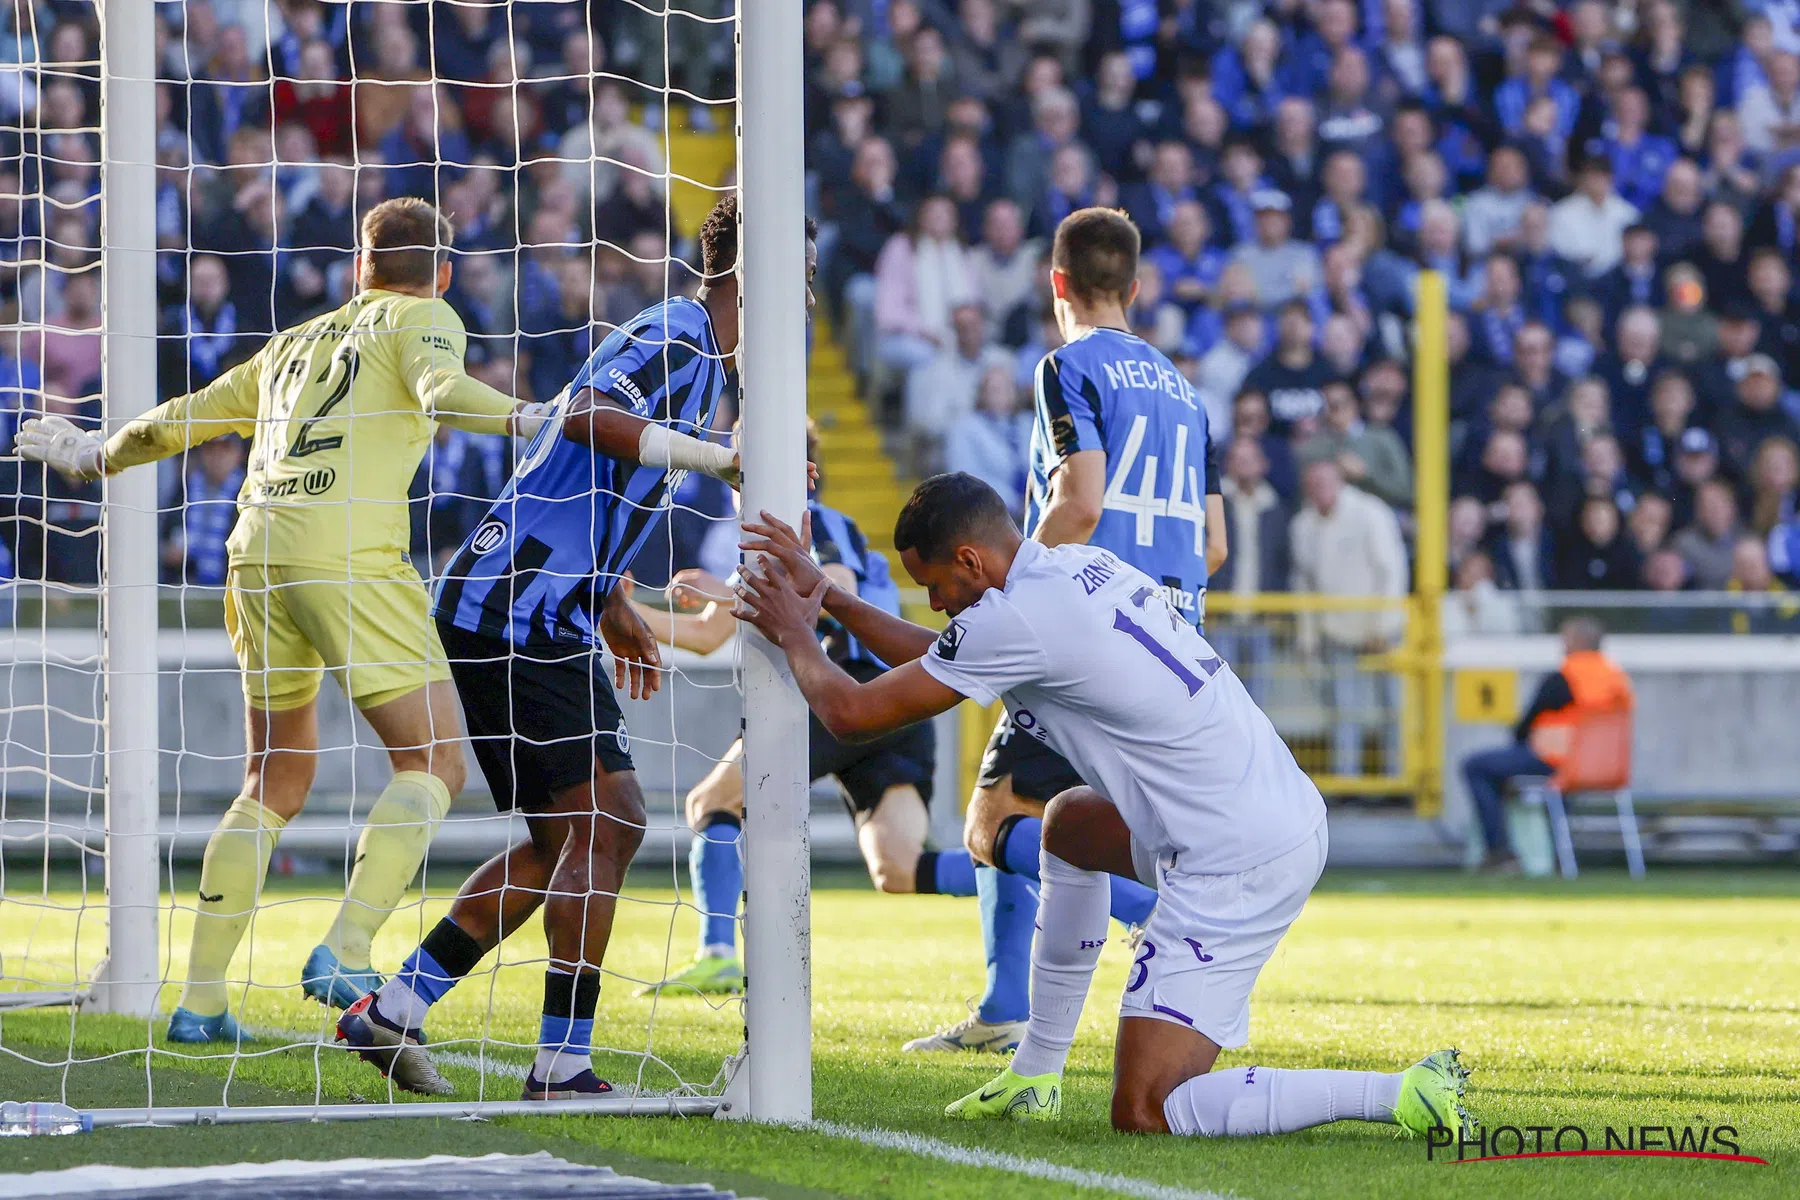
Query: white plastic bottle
[37,1118]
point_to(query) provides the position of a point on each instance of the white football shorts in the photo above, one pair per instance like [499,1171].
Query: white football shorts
[1209,937]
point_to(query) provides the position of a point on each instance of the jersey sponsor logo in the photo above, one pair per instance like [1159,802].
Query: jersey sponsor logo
[438,341]
[950,641]
[487,537]
[625,383]
[318,481]
[1025,721]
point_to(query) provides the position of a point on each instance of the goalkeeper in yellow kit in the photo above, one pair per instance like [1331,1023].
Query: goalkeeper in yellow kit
[340,410]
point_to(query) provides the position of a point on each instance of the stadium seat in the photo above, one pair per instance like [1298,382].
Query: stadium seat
[1598,764]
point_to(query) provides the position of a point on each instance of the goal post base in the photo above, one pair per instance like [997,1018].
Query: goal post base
[128,998]
[734,1101]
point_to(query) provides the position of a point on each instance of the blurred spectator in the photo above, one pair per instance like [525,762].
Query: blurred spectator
[922,277]
[1596,555]
[1475,604]
[1587,228]
[1750,572]
[1153,316]
[1708,545]
[1519,545]
[1189,264]
[1281,268]
[1371,457]
[1649,523]
[1257,520]
[1492,214]
[194,549]
[1250,421]
[993,442]
[1674,217]
[943,390]
[1690,331]
[71,346]
[1004,266]
[1754,416]
[1223,367]
[1770,109]
[1774,475]
[1293,376]
[1347,543]
[1671,413]
[1666,571]
[1771,285]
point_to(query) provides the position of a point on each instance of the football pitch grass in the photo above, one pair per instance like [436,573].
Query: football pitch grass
[1674,1002]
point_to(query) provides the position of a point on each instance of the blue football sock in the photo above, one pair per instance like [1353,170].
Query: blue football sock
[717,874]
[1020,851]
[566,1030]
[946,873]
[1008,919]
[1132,902]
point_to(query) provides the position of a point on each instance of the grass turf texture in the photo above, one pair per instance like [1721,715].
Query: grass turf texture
[1594,1003]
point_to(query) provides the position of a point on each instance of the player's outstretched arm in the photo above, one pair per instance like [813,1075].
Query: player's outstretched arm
[852,711]
[890,638]
[226,405]
[702,632]
[598,422]
[431,363]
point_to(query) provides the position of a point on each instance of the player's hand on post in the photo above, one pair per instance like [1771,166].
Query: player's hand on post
[61,445]
[637,664]
[775,537]
[734,475]
[769,600]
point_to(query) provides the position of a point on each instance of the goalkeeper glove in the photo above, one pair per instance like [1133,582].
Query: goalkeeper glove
[60,444]
[527,419]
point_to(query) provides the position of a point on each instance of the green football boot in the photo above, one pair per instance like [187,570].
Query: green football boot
[1012,1097]
[708,975]
[1431,1095]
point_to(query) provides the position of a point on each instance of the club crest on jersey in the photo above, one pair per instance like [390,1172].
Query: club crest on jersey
[487,537]
[950,640]
[318,481]
[626,384]
[622,736]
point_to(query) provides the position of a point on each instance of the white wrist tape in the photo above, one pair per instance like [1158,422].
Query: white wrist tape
[660,446]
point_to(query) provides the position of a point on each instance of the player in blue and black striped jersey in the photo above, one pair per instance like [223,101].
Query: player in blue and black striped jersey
[523,610]
[886,782]
[1121,457]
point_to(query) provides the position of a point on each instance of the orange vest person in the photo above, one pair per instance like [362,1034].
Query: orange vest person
[1587,684]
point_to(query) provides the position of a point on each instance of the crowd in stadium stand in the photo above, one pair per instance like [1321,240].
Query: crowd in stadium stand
[1612,191]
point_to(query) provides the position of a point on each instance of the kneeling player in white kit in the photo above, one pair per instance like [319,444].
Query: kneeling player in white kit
[1194,792]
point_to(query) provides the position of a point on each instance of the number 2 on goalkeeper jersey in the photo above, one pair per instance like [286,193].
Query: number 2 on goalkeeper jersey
[1109,390]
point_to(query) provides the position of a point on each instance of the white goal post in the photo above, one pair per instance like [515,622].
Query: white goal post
[771,1078]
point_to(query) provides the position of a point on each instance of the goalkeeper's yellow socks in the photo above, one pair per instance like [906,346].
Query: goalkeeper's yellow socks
[231,876]
[393,842]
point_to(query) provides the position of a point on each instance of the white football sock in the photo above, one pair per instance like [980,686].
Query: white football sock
[1244,1101]
[555,1064]
[401,1005]
[1073,911]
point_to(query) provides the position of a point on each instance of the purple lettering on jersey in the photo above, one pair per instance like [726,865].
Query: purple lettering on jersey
[1160,652]
[1199,950]
[1094,576]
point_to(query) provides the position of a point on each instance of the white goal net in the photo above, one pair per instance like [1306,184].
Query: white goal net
[179,183]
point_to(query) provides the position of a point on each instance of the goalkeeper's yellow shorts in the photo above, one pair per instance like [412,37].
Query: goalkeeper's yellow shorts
[289,625]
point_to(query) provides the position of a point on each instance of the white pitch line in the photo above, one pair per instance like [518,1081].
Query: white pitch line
[995,1160]
[888,1139]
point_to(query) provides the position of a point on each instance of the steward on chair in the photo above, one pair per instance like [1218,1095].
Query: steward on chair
[1586,685]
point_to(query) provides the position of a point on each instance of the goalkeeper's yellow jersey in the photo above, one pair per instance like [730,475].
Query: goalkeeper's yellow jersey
[339,411]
